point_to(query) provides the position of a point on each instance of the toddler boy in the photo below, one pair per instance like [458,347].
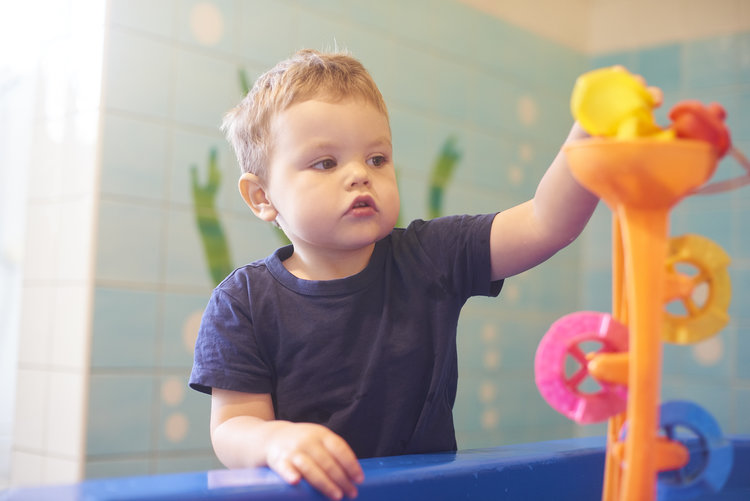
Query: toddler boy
[343,344]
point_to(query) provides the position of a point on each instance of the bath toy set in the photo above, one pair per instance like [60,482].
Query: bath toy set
[672,450]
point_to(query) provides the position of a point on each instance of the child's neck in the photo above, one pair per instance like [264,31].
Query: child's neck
[329,265]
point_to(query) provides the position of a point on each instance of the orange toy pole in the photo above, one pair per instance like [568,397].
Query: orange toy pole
[645,241]
[640,180]
[612,471]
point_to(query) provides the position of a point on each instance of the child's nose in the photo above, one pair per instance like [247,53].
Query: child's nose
[358,174]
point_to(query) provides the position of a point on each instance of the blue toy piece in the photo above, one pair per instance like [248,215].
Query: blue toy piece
[711,454]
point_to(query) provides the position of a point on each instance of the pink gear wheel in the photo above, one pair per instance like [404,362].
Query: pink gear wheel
[563,393]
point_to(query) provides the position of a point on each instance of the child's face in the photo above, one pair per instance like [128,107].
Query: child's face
[331,176]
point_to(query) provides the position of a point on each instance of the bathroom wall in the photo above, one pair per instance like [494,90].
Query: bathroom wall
[172,71]
[108,344]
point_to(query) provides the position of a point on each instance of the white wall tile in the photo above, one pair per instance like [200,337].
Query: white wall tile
[37,312]
[26,469]
[31,410]
[70,337]
[65,416]
[42,240]
[74,250]
[60,471]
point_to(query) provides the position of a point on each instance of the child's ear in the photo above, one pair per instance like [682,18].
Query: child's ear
[254,195]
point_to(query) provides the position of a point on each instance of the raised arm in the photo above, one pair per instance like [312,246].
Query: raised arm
[245,434]
[530,233]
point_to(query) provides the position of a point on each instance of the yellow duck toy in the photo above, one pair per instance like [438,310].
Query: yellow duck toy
[612,102]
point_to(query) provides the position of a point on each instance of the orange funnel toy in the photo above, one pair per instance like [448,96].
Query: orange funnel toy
[640,171]
[641,180]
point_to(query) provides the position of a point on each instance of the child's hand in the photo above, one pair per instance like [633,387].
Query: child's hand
[315,453]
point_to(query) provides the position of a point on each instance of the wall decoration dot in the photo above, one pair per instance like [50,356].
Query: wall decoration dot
[206,23]
[487,391]
[526,152]
[512,292]
[190,330]
[528,111]
[515,175]
[492,359]
[489,333]
[490,419]
[173,391]
[176,427]
[709,352]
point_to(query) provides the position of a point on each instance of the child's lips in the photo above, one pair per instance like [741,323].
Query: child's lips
[362,206]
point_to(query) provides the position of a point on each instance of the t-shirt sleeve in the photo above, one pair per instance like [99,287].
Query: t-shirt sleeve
[459,248]
[227,355]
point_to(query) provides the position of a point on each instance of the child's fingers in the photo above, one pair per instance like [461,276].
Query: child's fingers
[332,468]
[656,94]
[286,471]
[340,450]
[318,476]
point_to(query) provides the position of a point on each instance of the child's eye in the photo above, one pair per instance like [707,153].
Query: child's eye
[378,160]
[325,164]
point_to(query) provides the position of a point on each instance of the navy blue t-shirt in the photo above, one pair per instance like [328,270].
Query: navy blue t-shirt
[372,356]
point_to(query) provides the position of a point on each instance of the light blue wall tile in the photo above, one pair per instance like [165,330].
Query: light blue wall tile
[740,283]
[322,32]
[267,30]
[708,222]
[120,414]
[186,462]
[489,161]
[743,63]
[661,66]
[737,117]
[742,353]
[507,50]
[452,85]
[205,89]
[107,468]
[250,238]
[628,59]
[129,243]
[415,140]
[493,105]
[125,329]
[741,424]
[134,157]
[157,18]
[687,363]
[184,416]
[597,293]
[447,25]
[712,62]
[138,74]
[417,91]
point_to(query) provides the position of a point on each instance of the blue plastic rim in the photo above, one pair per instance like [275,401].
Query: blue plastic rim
[711,453]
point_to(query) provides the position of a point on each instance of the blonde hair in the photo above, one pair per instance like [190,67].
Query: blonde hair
[308,74]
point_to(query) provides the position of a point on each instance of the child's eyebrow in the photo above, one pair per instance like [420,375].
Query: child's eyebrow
[380,141]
